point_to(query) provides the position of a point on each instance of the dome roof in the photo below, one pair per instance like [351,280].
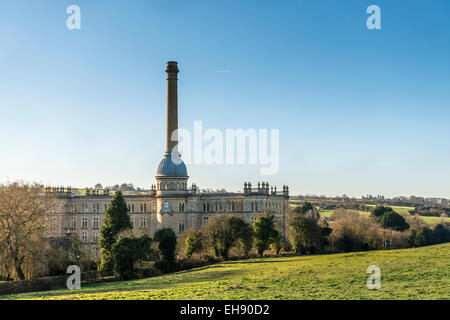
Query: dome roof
[171,168]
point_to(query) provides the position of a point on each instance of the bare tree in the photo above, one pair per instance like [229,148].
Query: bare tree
[23,226]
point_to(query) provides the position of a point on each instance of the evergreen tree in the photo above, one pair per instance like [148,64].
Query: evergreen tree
[220,235]
[392,220]
[307,208]
[194,244]
[265,232]
[241,234]
[379,211]
[116,220]
[127,252]
[167,246]
[304,208]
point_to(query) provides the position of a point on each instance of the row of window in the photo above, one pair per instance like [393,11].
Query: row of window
[142,206]
[143,223]
[84,223]
[207,207]
[84,236]
[96,222]
[252,219]
[218,207]
[85,208]
[172,186]
[258,205]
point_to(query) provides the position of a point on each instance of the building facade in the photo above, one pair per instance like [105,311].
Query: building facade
[170,203]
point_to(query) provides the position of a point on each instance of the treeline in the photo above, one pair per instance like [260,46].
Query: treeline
[348,205]
[326,205]
[227,236]
[431,211]
[355,232]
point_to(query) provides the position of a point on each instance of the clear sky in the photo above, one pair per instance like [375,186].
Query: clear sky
[359,111]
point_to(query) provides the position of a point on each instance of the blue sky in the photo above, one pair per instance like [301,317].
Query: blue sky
[359,111]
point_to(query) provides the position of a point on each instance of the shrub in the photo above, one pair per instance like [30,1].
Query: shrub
[392,220]
[277,244]
[305,234]
[355,232]
[241,234]
[194,244]
[167,244]
[307,208]
[400,240]
[195,262]
[336,214]
[442,232]
[325,231]
[219,235]
[128,251]
[62,252]
[146,272]
[225,232]
[265,232]
[379,211]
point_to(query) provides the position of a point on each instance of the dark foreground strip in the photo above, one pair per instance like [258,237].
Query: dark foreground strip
[255,309]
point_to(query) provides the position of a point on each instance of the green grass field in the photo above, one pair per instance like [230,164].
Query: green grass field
[422,273]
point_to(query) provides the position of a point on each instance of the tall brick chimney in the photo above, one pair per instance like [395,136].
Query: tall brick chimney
[172,104]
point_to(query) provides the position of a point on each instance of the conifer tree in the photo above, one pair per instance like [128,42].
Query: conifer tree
[266,233]
[116,220]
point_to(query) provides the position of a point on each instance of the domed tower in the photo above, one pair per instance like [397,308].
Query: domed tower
[172,175]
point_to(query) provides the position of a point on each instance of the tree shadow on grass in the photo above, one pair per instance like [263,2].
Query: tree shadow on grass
[154,283]
[271,261]
[161,282]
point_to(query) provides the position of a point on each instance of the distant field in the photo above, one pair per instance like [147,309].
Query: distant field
[433,220]
[421,273]
[326,213]
[398,209]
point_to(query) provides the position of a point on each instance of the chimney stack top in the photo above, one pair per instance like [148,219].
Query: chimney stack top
[172,67]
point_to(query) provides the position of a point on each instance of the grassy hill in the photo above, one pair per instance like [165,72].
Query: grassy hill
[422,273]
